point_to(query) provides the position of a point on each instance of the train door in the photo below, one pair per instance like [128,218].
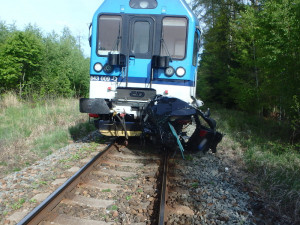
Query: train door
[140,51]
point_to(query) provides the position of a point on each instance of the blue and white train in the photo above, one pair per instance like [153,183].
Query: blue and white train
[141,49]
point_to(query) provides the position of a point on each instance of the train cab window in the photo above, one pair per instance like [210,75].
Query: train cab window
[109,34]
[196,48]
[174,36]
[141,36]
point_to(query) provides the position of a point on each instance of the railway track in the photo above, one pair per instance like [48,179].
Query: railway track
[120,185]
[174,208]
[199,190]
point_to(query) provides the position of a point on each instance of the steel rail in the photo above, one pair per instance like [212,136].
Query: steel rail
[38,213]
[163,195]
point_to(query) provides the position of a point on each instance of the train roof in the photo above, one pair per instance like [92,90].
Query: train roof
[164,7]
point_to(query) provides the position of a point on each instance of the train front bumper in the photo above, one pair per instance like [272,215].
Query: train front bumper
[94,106]
[116,129]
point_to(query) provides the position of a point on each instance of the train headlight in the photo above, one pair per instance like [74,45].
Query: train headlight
[144,4]
[108,68]
[180,72]
[169,71]
[98,67]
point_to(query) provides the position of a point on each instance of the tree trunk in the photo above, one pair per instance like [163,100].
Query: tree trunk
[22,84]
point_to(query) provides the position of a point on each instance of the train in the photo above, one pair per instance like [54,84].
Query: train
[143,68]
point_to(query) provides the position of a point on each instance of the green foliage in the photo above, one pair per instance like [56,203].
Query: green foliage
[66,69]
[251,55]
[40,67]
[21,56]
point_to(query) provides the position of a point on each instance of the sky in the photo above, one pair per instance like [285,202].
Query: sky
[52,15]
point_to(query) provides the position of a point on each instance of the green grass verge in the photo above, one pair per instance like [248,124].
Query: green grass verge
[268,154]
[45,144]
[30,131]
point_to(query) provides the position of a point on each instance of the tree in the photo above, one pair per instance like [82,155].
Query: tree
[267,40]
[251,54]
[216,60]
[38,66]
[66,68]
[244,78]
[20,60]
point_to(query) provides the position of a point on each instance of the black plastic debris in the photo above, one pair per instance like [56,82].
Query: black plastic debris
[164,120]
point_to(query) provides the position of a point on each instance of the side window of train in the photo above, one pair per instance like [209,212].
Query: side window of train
[109,34]
[196,47]
[174,35]
[90,34]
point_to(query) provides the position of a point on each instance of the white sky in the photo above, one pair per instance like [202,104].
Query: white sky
[51,15]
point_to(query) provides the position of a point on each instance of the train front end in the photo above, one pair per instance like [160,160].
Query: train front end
[139,49]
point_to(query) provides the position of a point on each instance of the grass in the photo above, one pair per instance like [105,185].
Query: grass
[33,200]
[128,178]
[113,208]
[55,140]
[195,185]
[268,154]
[30,131]
[18,204]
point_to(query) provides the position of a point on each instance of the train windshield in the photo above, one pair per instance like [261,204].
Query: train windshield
[141,36]
[109,34]
[174,37]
